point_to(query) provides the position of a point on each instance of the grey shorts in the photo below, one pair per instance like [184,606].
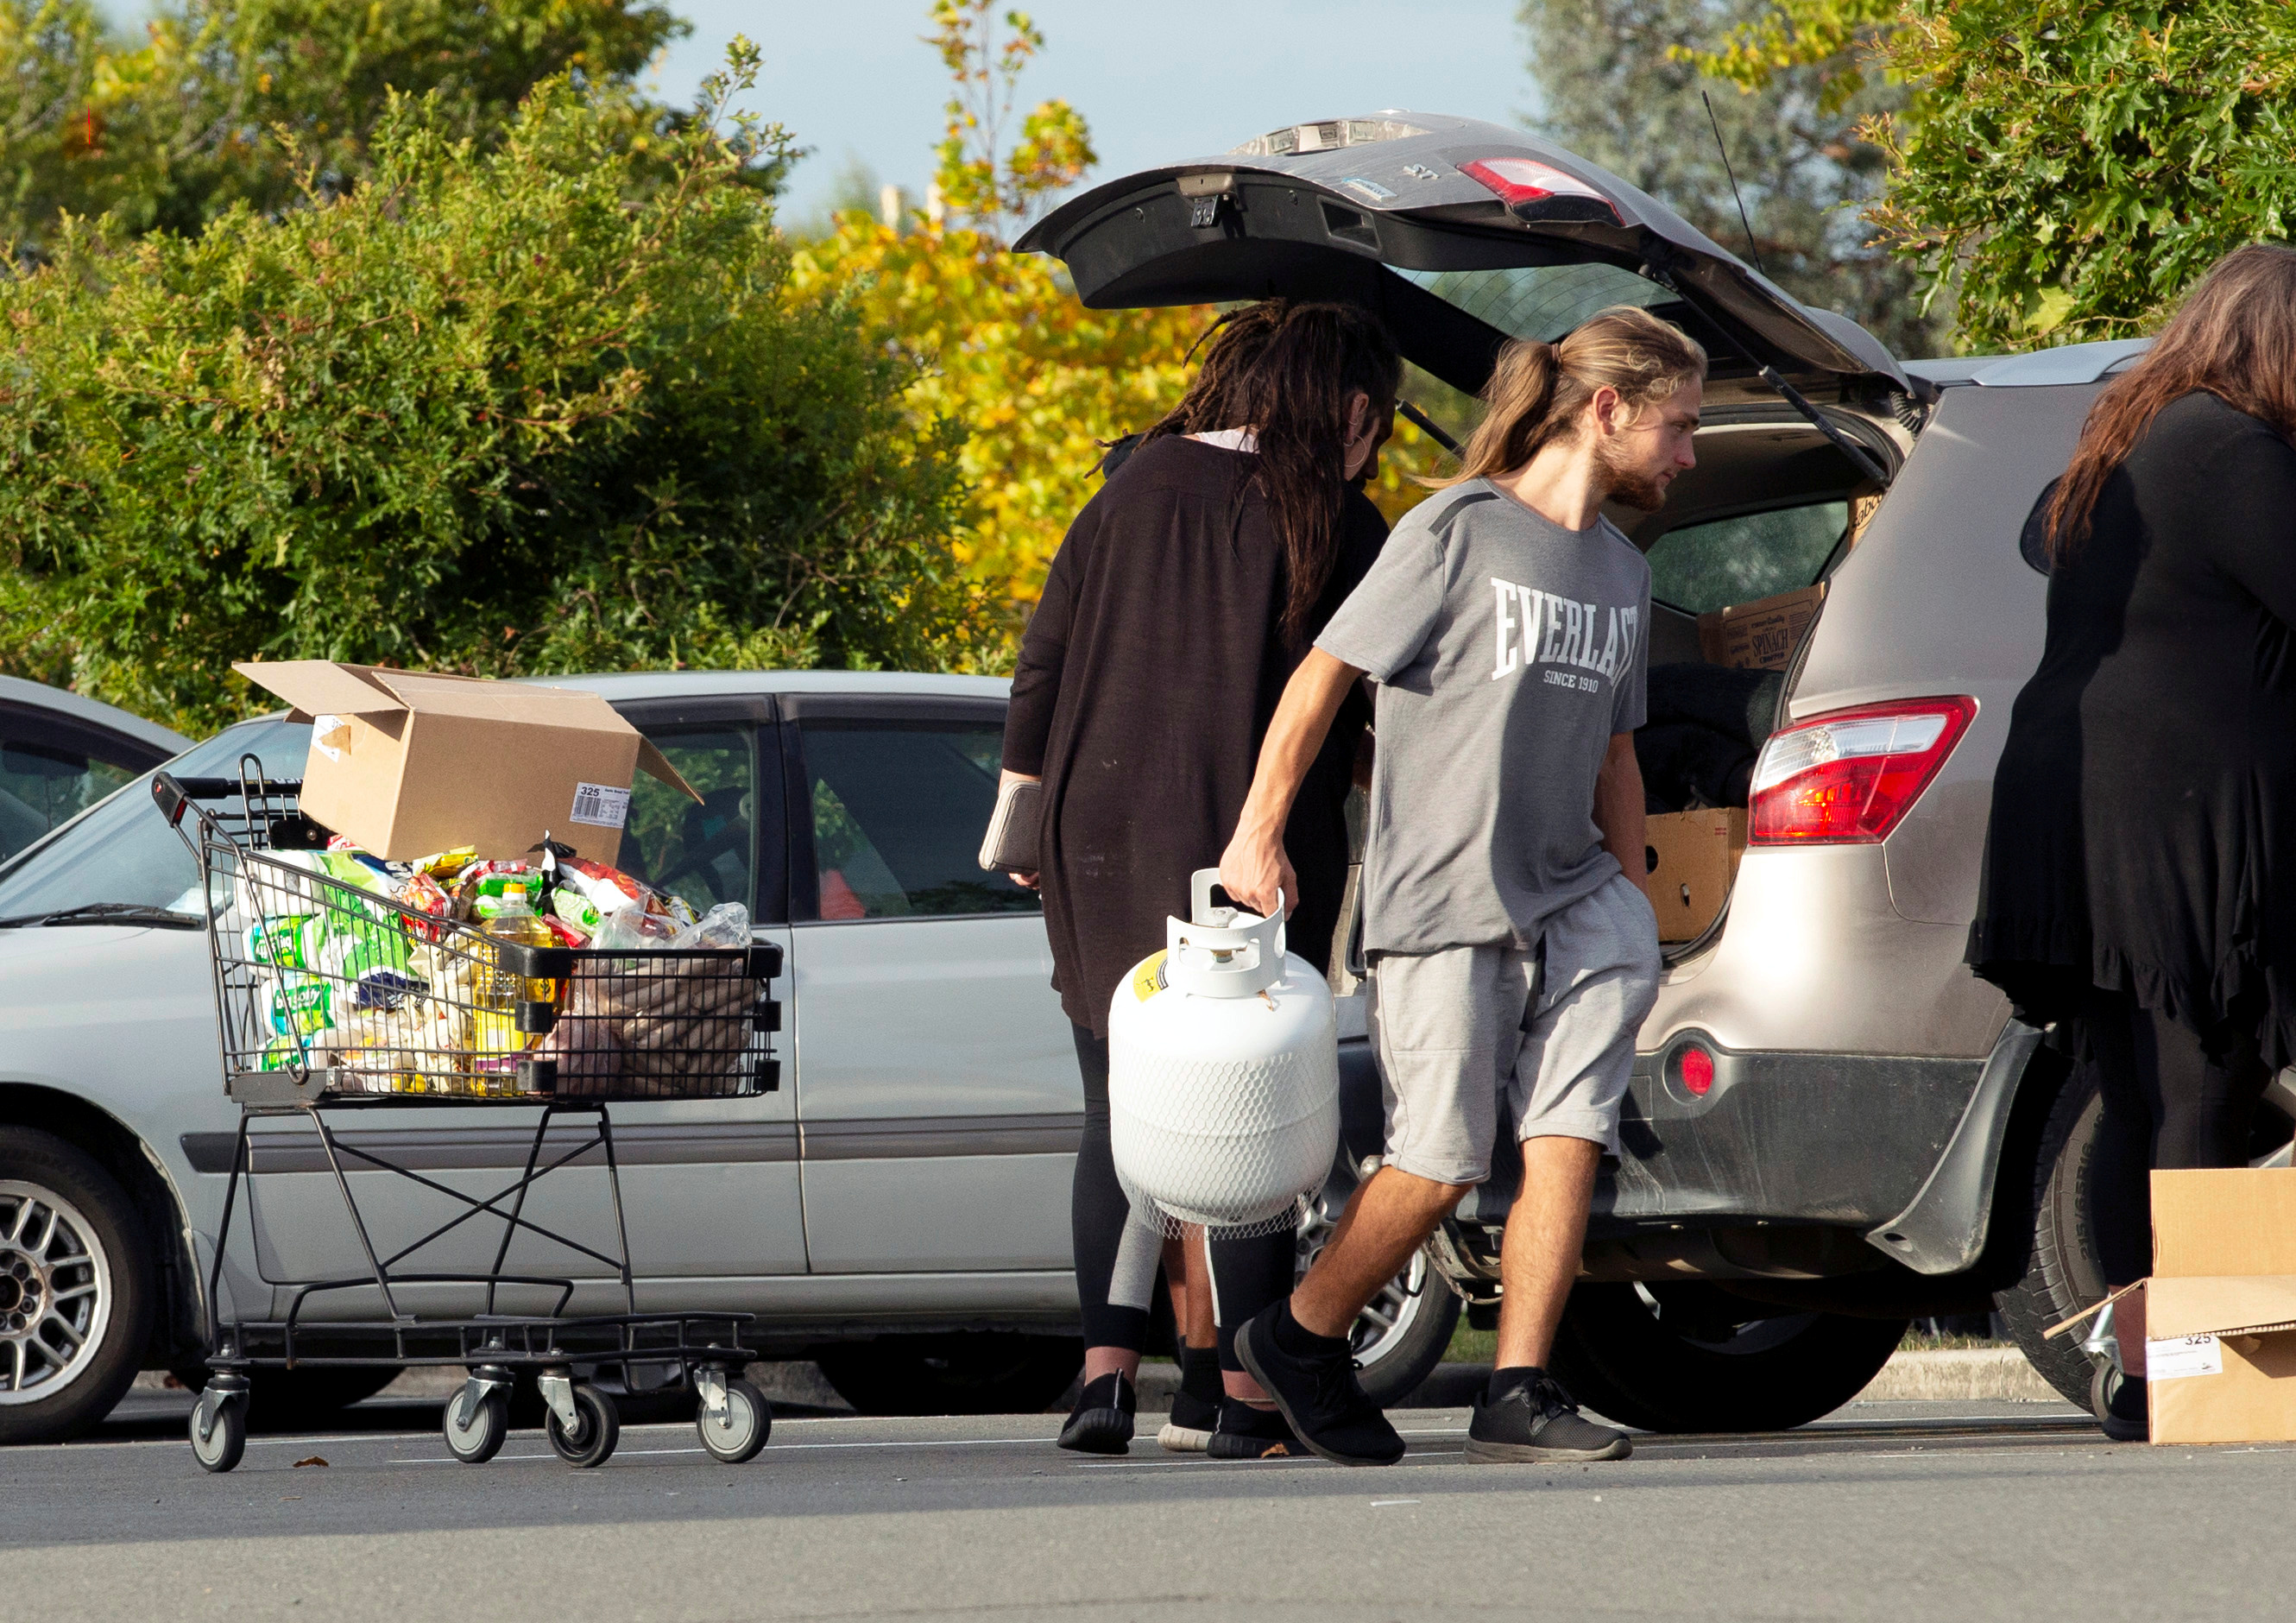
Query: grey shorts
[1550,1029]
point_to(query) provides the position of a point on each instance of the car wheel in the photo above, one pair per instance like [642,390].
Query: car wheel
[1401,1334]
[2063,1274]
[1692,1357]
[968,1372]
[77,1289]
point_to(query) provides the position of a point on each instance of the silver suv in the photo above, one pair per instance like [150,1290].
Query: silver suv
[1833,1128]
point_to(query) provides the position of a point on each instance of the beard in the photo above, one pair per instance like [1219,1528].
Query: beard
[1631,484]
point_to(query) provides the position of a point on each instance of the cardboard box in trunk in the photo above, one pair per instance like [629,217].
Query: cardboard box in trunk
[2220,1307]
[405,764]
[1692,857]
[1760,635]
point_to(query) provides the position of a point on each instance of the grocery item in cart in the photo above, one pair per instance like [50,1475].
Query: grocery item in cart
[640,1018]
[404,763]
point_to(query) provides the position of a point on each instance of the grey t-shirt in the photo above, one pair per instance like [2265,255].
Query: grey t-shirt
[1507,651]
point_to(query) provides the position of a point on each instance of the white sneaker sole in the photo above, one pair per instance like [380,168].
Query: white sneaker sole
[1183,1439]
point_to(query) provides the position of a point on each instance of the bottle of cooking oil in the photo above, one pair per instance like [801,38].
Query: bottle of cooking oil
[495,1040]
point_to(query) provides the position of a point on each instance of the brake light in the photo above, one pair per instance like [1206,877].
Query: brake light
[1536,190]
[1850,777]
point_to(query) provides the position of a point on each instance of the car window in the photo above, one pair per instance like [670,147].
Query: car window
[1539,302]
[123,849]
[52,769]
[701,852]
[1704,567]
[898,810]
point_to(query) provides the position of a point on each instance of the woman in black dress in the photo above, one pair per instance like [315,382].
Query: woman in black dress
[1181,598]
[2140,875]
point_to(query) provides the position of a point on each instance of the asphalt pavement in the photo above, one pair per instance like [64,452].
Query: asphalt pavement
[1962,1511]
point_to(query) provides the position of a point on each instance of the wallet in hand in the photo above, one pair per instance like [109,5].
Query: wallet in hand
[1011,843]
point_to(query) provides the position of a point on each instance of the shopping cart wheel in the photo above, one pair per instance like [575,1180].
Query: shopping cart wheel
[219,1430]
[476,1425]
[743,1429]
[592,1442]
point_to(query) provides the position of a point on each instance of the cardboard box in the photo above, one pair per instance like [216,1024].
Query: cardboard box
[1692,857]
[2220,1307]
[1760,635]
[405,764]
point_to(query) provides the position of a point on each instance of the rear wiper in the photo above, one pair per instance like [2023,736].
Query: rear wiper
[108,912]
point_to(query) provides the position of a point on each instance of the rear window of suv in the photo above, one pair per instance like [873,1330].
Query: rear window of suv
[1704,567]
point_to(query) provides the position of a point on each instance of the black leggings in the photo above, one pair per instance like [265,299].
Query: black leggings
[2171,1101]
[1247,1275]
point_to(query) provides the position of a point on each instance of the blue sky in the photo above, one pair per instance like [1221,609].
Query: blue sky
[1166,79]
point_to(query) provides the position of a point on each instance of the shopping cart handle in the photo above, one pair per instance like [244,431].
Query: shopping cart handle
[170,796]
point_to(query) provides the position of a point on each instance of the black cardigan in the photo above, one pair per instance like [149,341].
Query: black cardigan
[1146,679]
[2143,831]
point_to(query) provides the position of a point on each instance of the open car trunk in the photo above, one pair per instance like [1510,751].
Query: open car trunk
[1462,236]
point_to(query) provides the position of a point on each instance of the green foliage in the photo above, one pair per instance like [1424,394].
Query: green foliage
[541,407]
[2079,164]
[1834,36]
[997,190]
[1620,84]
[169,130]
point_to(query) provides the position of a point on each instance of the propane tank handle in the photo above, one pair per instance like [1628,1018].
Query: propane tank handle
[1200,910]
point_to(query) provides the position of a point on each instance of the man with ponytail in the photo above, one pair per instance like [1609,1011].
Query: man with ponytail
[1513,953]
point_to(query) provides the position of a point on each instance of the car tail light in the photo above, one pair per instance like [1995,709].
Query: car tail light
[1850,777]
[1696,1068]
[1536,190]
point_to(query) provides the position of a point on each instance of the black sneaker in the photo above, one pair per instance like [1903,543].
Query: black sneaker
[1246,1433]
[1191,1424]
[1320,1396]
[1536,1420]
[2119,1403]
[1102,1421]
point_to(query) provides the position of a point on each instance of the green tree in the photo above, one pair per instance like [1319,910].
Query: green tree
[168,131]
[996,187]
[2079,165]
[1620,83]
[522,408]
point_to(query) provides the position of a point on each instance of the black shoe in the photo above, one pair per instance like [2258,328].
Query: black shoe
[1320,1396]
[2119,1403]
[1193,1422]
[1246,1433]
[1102,1421]
[1536,1420]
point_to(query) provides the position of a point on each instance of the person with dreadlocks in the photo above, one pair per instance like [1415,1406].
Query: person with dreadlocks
[1181,600]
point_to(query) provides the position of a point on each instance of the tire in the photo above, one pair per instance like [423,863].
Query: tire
[226,1440]
[968,1373]
[78,1290]
[1691,1357]
[2063,1274]
[1401,1336]
[749,1423]
[480,1441]
[592,1442]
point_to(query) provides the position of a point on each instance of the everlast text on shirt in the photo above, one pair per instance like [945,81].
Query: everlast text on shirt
[1538,627]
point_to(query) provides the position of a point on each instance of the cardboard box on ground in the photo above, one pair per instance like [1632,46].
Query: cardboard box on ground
[406,763]
[2220,1310]
[1693,858]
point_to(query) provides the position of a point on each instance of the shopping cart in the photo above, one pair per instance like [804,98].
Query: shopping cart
[333,996]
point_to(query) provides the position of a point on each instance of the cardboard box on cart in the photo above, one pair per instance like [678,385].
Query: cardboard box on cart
[2220,1307]
[406,763]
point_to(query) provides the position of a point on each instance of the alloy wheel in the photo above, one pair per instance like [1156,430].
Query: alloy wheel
[55,1292]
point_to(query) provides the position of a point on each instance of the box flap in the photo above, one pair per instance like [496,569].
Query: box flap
[479,700]
[657,764]
[2256,1304]
[320,687]
[2234,1222]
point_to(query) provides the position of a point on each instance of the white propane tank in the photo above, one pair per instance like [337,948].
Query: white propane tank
[1224,1070]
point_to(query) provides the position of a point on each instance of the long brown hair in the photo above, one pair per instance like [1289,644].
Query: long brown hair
[1286,370]
[2234,336]
[1536,390]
